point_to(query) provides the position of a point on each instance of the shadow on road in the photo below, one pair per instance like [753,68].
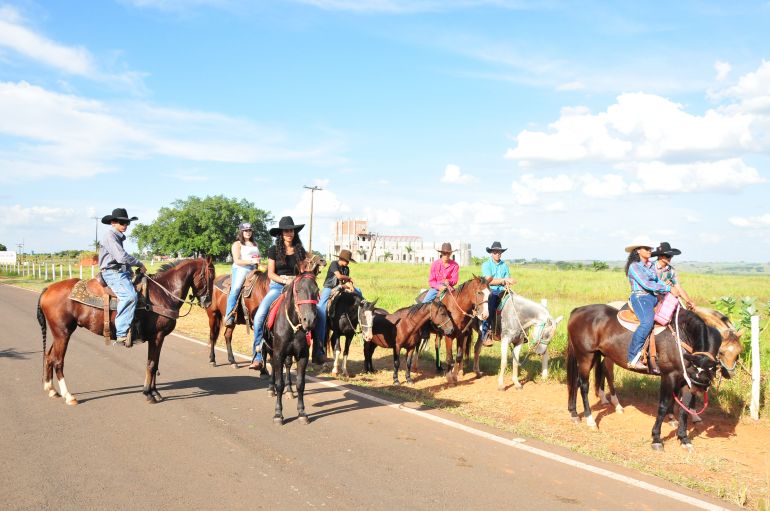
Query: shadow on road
[17,355]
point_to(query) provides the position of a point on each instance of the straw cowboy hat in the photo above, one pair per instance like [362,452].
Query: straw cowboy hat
[346,255]
[665,250]
[496,246]
[117,215]
[446,247]
[286,222]
[640,242]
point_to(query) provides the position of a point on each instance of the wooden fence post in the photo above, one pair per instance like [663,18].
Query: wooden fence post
[46,271]
[754,406]
[61,272]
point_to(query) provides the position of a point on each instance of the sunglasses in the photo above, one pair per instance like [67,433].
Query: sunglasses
[123,222]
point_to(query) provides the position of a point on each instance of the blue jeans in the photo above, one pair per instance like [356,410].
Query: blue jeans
[319,334]
[236,283]
[644,308]
[494,300]
[120,283]
[430,295]
[259,317]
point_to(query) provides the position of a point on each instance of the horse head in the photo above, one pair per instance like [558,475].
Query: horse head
[311,264]
[703,362]
[203,281]
[731,347]
[477,289]
[304,292]
[366,318]
[545,332]
[440,317]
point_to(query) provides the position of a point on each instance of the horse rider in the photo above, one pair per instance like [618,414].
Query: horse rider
[283,259]
[666,272]
[115,264]
[498,276]
[444,273]
[245,259]
[645,285]
[337,274]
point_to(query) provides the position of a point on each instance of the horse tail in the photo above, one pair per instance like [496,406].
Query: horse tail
[598,373]
[572,370]
[41,319]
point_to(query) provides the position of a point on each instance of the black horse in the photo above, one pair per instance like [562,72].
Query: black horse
[594,332]
[290,336]
[343,320]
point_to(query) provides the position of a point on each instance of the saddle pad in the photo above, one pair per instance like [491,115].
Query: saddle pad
[273,312]
[630,322]
[222,283]
[82,294]
[250,283]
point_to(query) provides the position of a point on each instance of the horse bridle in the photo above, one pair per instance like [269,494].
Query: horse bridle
[201,298]
[438,326]
[297,301]
[476,305]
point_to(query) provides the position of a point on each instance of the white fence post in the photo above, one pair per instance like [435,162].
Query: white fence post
[61,272]
[39,271]
[70,269]
[46,271]
[92,271]
[754,407]
[53,272]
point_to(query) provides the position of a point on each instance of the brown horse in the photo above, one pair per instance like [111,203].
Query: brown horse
[466,302]
[401,329]
[216,312]
[167,292]
[594,332]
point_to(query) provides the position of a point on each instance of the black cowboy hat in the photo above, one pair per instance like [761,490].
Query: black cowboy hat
[666,250]
[117,215]
[286,222]
[496,246]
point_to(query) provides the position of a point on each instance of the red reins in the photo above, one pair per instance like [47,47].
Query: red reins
[692,412]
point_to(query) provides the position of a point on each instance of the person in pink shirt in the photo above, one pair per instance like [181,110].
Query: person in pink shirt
[444,273]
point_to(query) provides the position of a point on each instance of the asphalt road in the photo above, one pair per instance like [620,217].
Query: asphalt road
[212,443]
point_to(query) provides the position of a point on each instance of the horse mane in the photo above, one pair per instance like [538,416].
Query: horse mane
[694,326]
[413,309]
[170,266]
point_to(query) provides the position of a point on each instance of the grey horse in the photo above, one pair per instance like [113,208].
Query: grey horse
[523,320]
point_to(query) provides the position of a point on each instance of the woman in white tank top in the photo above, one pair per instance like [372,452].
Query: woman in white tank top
[245,258]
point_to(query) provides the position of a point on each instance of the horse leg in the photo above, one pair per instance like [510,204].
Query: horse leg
[609,374]
[449,360]
[335,344]
[348,340]
[688,399]
[289,389]
[302,417]
[61,335]
[368,352]
[504,341]
[437,349]
[476,355]
[215,321]
[515,367]
[157,398]
[271,374]
[544,366]
[48,372]
[666,389]
[279,384]
[396,363]
[229,343]
[409,354]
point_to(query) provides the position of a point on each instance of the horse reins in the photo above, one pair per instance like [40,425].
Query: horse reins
[476,305]
[297,301]
[180,300]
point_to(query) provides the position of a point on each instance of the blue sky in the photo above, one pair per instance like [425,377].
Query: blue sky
[565,130]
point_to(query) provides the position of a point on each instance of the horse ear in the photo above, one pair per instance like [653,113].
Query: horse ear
[557,320]
[209,259]
[739,333]
[688,357]
[374,303]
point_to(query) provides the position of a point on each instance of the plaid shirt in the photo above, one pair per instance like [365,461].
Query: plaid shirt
[642,277]
[666,274]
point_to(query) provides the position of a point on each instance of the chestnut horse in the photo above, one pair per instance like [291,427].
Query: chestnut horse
[216,313]
[167,292]
[401,329]
[291,336]
[594,332]
[466,302]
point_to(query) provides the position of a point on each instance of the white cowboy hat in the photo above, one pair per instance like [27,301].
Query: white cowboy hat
[641,242]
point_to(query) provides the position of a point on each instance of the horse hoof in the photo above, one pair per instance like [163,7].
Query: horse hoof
[53,393]
[303,419]
[234,365]
[479,374]
[278,420]
[501,388]
[688,447]
[212,363]
[673,423]
[575,419]
[696,418]
[618,409]
[518,386]
[157,397]
[71,401]
[396,382]
[292,395]
[271,393]
[591,423]
[657,446]
[410,381]
[334,373]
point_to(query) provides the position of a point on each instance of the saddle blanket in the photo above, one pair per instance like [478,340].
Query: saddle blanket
[628,319]
[82,294]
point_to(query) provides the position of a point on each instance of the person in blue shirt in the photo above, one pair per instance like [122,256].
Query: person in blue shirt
[645,285]
[497,274]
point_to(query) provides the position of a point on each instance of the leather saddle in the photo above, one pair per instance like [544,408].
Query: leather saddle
[628,319]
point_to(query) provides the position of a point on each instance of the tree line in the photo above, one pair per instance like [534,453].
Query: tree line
[194,226]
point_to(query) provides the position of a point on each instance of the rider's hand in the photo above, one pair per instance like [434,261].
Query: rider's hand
[690,304]
[674,291]
[142,269]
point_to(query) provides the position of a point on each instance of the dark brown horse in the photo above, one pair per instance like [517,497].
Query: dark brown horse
[167,292]
[290,336]
[594,332]
[466,302]
[401,329]
[216,312]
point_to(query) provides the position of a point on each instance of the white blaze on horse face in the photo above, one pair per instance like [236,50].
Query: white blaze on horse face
[484,312]
[367,329]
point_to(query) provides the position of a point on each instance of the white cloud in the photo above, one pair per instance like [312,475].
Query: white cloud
[723,175]
[605,186]
[527,187]
[557,206]
[569,86]
[18,215]
[382,217]
[453,175]
[723,69]
[72,136]
[469,218]
[752,91]
[752,221]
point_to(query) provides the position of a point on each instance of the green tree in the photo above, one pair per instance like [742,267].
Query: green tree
[2,248]
[600,265]
[196,226]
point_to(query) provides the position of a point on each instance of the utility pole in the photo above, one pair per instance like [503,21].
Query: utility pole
[312,189]
[96,235]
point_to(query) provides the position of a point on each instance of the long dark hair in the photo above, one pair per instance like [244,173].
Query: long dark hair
[242,238]
[280,248]
[633,257]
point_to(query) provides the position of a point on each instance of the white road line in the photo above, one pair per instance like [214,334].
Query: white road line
[516,443]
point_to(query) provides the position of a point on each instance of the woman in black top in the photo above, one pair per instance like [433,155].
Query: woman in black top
[282,260]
